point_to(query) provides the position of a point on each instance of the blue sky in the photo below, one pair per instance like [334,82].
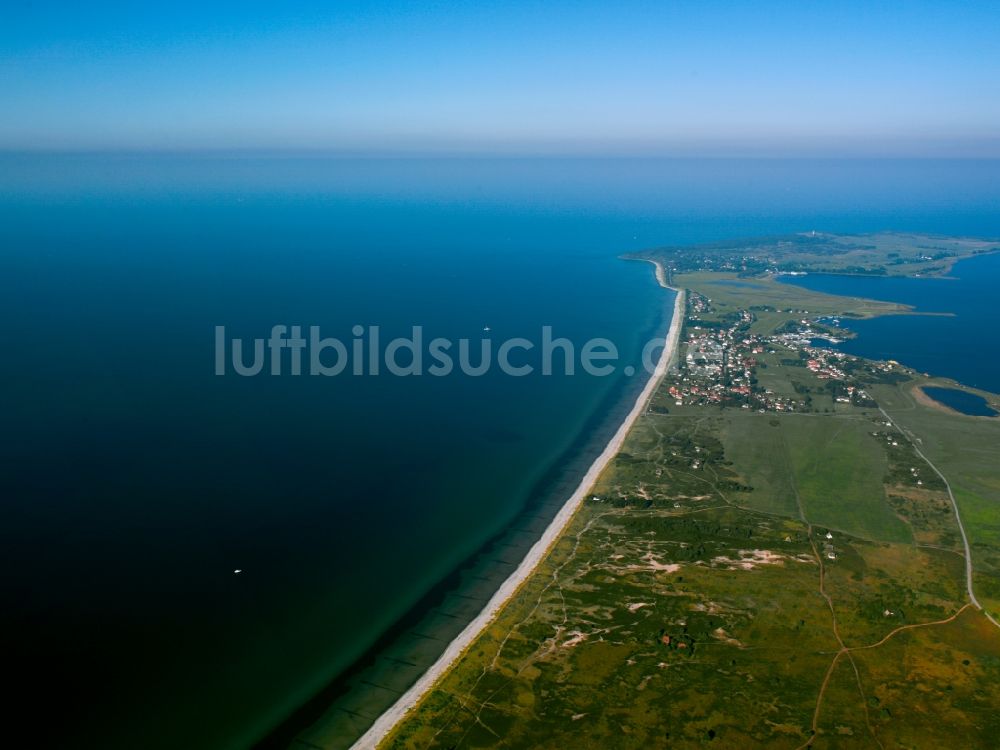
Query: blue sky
[904,78]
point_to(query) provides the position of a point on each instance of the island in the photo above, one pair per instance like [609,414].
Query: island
[792,547]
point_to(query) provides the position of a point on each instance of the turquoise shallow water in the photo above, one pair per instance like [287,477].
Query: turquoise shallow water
[135,481]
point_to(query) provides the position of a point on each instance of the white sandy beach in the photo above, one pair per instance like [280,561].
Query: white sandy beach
[388,720]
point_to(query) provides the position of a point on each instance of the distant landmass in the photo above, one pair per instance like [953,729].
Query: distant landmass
[881,254]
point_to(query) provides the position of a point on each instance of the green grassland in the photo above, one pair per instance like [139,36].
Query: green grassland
[833,467]
[965,449]
[578,658]
[885,254]
[742,578]
[731,292]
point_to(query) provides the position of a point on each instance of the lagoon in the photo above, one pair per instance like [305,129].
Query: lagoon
[961,343]
[961,401]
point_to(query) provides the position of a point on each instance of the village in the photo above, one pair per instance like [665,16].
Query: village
[723,362]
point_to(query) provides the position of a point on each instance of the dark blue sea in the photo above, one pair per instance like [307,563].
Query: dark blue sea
[134,481]
[963,344]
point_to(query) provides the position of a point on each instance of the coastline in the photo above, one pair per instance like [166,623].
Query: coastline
[390,718]
[908,337]
[924,398]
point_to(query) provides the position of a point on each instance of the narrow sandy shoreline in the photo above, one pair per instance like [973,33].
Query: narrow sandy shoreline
[921,397]
[390,718]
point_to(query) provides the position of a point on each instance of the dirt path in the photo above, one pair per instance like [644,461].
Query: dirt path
[958,519]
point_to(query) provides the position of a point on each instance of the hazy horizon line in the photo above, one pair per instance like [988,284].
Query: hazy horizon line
[333,152]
